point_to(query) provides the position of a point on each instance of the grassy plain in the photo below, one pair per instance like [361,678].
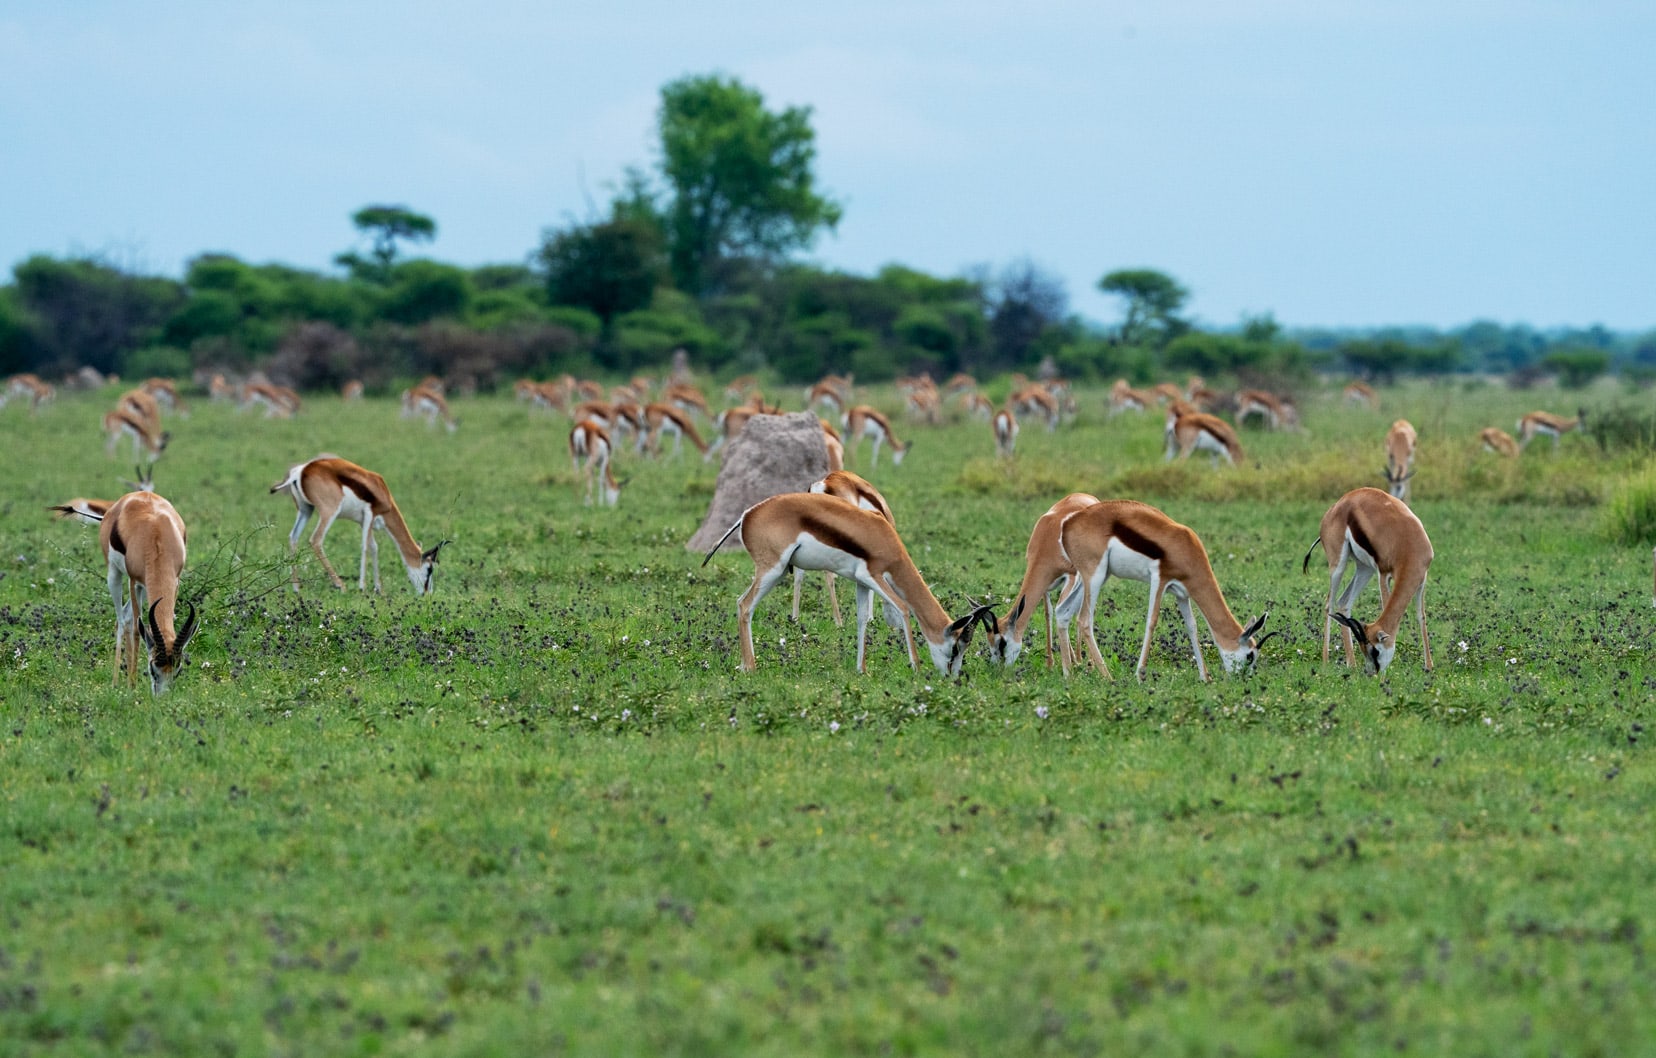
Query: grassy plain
[540,812]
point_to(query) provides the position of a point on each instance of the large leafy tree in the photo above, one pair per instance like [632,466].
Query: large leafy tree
[739,177]
[1153,303]
[385,226]
[608,268]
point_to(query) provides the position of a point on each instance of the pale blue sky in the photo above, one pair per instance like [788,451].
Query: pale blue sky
[1333,163]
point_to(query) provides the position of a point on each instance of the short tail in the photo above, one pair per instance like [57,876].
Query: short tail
[1305,567]
[723,538]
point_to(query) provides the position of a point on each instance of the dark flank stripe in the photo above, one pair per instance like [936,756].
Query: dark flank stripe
[832,537]
[115,541]
[365,492]
[1360,538]
[1137,542]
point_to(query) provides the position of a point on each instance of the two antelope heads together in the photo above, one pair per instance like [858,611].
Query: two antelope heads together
[844,533]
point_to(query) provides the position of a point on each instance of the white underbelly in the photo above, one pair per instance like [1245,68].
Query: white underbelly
[814,554]
[1123,561]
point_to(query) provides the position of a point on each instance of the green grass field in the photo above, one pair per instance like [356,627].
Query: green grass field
[541,812]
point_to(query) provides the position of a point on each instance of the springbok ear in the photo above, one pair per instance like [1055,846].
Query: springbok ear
[963,628]
[1255,625]
[1017,611]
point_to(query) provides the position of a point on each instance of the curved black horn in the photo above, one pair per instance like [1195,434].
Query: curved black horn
[189,628]
[155,629]
[431,555]
[1262,639]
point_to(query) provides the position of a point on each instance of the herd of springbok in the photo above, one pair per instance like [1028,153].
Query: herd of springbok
[843,526]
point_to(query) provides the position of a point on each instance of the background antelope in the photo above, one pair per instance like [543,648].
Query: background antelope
[142,538]
[1374,534]
[1400,457]
[812,531]
[335,488]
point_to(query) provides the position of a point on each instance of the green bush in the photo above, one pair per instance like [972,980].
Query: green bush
[1630,516]
[156,361]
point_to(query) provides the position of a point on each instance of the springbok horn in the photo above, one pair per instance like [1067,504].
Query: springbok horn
[431,555]
[155,629]
[189,629]
[1261,640]
[1354,625]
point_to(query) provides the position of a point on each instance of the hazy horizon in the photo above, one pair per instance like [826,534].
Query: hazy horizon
[1332,165]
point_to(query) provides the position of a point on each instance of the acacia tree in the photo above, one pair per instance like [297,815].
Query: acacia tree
[386,226]
[739,177]
[1153,302]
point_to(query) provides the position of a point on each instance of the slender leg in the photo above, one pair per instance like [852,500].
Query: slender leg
[305,511]
[1425,639]
[763,582]
[373,553]
[1360,574]
[833,600]
[865,610]
[1089,604]
[317,536]
[362,559]
[139,598]
[1156,589]
[123,618]
[1182,597]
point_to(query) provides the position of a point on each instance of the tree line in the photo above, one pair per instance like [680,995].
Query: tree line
[699,252]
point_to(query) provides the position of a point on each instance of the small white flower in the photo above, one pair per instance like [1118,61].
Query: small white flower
[1487,721]
[1041,712]
[782,642]
[625,638]
[1462,645]
[1512,661]
[833,727]
[646,642]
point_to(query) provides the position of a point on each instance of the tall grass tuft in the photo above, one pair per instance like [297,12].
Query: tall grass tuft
[1630,515]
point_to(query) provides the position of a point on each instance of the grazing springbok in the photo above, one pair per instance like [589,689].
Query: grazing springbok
[1362,395]
[430,405]
[669,420]
[813,531]
[334,488]
[142,538]
[863,421]
[1046,567]
[859,492]
[1498,441]
[1125,538]
[1006,432]
[590,451]
[148,439]
[1373,533]
[1540,423]
[1400,457]
[1035,401]
[1278,413]
[1198,430]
